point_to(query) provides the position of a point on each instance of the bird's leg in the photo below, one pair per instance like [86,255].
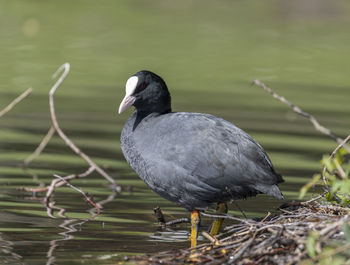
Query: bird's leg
[215,226]
[195,221]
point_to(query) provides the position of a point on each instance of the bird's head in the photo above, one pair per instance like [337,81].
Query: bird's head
[147,92]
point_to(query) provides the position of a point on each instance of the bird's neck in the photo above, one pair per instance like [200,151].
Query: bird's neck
[156,112]
[142,115]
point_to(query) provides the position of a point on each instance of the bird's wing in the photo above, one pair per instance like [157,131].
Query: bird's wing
[210,150]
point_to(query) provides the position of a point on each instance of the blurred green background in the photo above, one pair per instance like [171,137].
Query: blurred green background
[208,53]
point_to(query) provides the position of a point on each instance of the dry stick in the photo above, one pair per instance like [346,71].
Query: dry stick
[66,68]
[267,216]
[35,190]
[226,217]
[59,182]
[314,199]
[56,183]
[209,237]
[41,146]
[242,250]
[88,198]
[298,110]
[101,203]
[15,101]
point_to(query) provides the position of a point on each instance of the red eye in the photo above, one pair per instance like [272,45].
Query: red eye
[143,86]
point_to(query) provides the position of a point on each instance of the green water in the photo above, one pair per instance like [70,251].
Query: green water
[208,53]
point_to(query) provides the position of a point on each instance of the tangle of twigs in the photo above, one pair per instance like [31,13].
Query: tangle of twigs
[64,69]
[280,239]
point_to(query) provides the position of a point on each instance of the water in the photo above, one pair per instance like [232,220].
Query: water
[208,53]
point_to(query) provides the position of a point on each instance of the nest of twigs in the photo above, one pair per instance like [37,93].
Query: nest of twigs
[280,239]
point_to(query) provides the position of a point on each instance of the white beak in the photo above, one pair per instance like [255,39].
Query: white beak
[126,103]
[128,100]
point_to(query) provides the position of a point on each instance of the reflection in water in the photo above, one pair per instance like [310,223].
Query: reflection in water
[111,197]
[171,235]
[69,226]
[51,206]
[7,254]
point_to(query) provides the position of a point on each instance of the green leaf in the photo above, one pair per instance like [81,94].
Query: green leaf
[342,151]
[311,244]
[346,230]
[339,158]
[333,260]
[327,162]
[336,186]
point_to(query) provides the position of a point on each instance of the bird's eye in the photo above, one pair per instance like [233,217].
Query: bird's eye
[143,86]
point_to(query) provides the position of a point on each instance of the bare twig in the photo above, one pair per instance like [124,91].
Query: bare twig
[15,101]
[314,199]
[267,216]
[35,190]
[46,139]
[103,202]
[59,182]
[242,250]
[225,216]
[41,146]
[65,68]
[209,237]
[88,198]
[298,110]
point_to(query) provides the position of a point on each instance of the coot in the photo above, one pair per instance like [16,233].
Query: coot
[192,159]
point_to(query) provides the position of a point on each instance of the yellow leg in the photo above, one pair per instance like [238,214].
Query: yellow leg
[215,226]
[195,221]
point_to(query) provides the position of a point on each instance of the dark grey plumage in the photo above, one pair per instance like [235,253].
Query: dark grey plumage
[192,159]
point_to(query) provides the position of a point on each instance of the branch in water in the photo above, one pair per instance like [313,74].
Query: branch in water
[299,111]
[15,102]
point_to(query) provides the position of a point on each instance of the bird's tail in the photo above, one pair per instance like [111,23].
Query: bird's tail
[272,190]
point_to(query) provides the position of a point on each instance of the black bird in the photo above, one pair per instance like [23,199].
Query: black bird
[192,159]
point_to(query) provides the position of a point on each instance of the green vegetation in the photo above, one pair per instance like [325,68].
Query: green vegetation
[335,252]
[335,180]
